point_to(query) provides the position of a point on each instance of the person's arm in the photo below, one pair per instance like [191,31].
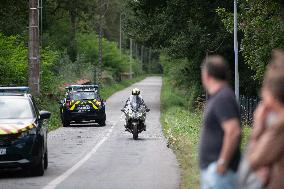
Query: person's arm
[232,132]
[227,113]
[126,103]
[143,102]
[268,148]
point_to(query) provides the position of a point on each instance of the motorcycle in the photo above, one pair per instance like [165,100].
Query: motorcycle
[135,116]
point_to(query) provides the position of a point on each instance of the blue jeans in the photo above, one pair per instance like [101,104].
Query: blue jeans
[210,179]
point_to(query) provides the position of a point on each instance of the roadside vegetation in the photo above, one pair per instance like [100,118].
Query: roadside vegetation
[69,50]
[57,70]
[181,127]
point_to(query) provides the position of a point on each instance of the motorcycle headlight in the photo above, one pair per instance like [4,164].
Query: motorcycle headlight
[131,114]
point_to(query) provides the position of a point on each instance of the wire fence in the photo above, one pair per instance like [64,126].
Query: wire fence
[247,108]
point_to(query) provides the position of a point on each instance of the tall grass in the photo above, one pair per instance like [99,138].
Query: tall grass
[181,126]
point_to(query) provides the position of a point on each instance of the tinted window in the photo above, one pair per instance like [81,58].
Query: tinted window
[15,108]
[83,95]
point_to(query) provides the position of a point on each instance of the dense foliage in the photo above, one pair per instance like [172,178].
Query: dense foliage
[186,30]
[69,42]
[262,30]
[69,48]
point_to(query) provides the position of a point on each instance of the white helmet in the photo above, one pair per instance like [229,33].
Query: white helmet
[136,91]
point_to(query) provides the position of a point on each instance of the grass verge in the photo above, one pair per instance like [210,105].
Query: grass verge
[50,103]
[182,130]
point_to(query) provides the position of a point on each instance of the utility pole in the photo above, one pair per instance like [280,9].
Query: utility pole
[142,56]
[206,59]
[136,51]
[149,60]
[40,18]
[100,56]
[99,74]
[120,35]
[34,59]
[102,11]
[130,60]
[237,84]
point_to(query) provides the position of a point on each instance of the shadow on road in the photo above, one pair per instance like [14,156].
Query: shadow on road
[14,173]
[85,124]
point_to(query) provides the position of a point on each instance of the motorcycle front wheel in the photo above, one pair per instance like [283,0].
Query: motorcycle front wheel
[135,131]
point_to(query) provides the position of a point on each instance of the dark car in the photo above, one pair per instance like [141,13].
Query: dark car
[82,103]
[23,131]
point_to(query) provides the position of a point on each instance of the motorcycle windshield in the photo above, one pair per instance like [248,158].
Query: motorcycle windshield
[135,103]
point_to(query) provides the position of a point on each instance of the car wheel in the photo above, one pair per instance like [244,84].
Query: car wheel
[102,122]
[66,123]
[38,169]
[46,160]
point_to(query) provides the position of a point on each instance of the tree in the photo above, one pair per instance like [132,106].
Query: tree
[262,30]
[77,12]
[182,29]
[13,16]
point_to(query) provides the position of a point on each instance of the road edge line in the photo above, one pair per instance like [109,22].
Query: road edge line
[55,182]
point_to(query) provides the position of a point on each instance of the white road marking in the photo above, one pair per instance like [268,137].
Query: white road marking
[54,183]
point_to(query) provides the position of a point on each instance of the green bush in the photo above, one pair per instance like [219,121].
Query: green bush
[183,77]
[13,61]
[57,70]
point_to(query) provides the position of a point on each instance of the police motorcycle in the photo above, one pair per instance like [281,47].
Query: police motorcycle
[135,115]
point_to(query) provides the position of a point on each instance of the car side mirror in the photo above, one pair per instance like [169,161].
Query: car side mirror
[147,110]
[44,115]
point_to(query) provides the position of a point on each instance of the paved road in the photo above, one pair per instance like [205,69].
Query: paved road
[87,157]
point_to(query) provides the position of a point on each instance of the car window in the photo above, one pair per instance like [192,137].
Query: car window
[83,95]
[15,108]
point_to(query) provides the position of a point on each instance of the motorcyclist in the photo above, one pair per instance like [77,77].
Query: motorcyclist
[135,96]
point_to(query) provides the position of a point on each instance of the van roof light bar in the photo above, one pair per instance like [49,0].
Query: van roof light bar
[22,89]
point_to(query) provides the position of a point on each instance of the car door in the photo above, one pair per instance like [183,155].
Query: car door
[42,126]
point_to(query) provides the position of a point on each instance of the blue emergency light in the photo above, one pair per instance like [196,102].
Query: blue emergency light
[21,89]
[82,87]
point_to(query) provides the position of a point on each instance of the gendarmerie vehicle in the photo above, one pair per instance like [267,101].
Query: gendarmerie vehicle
[23,131]
[82,103]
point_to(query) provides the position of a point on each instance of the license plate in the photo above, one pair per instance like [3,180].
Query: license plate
[84,107]
[3,151]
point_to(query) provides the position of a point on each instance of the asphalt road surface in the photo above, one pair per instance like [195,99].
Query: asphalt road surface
[89,156]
